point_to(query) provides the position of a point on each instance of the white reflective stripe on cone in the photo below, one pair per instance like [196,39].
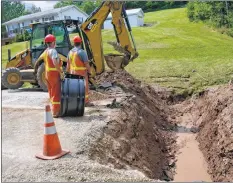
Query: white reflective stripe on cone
[48,117]
[50,130]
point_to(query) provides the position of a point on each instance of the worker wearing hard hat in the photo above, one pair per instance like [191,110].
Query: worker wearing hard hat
[77,63]
[53,73]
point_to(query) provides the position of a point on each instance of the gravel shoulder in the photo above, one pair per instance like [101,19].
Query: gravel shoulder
[134,132]
[22,138]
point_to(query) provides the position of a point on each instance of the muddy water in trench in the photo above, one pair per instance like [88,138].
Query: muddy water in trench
[190,165]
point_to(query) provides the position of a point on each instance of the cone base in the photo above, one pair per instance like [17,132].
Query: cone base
[41,156]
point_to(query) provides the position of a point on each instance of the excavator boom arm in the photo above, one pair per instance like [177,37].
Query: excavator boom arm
[91,32]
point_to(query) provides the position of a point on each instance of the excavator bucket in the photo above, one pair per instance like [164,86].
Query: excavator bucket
[116,61]
[117,47]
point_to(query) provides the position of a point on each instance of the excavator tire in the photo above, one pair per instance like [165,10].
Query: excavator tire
[41,77]
[3,87]
[11,78]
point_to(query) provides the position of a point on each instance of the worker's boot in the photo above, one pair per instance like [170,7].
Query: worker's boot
[56,115]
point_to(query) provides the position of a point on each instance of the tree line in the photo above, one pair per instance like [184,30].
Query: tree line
[89,6]
[14,9]
[218,14]
[148,6]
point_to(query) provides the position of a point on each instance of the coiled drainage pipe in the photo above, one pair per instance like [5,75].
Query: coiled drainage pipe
[72,96]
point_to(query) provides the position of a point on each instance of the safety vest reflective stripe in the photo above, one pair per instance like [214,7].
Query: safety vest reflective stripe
[56,103]
[73,65]
[50,130]
[47,63]
[51,69]
[79,68]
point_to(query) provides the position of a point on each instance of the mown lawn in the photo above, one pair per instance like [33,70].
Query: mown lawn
[178,54]
[174,52]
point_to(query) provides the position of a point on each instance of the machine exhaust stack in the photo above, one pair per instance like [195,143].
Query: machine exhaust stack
[9,54]
[26,45]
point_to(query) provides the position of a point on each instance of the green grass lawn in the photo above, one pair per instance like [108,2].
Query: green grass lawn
[174,52]
[179,54]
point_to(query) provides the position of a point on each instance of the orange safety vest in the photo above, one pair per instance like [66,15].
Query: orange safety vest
[76,65]
[49,66]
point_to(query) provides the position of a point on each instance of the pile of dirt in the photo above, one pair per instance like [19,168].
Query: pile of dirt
[212,114]
[95,96]
[134,86]
[216,132]
[140,135]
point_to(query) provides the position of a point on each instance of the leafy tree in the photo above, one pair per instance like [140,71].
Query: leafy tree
[89,6]
[35,9]
[218,14]
[26,35]
[86,6]
[67,3]
[11,10]
[154,5]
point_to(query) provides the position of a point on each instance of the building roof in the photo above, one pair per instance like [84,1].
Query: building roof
[129,12]
[42,14]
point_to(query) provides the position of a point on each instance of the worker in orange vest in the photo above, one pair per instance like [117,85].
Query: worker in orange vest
[53,73]
[77,63]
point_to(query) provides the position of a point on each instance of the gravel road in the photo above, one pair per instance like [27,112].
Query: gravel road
[22,138]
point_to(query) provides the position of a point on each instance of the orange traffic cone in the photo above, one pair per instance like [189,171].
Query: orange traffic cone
[52,148]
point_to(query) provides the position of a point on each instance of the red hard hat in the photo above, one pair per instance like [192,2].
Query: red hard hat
[49,38]
[77,39]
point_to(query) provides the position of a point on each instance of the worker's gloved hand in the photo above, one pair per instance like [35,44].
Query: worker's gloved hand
[62,75]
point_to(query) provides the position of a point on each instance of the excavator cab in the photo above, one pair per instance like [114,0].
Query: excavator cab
[39,31]
[27,66]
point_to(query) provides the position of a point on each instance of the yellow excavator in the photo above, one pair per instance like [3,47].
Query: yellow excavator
[27,66]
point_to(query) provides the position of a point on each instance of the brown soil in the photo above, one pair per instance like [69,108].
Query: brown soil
[95,96]
[216,132]
[148,130]
[140,135]
[212,117]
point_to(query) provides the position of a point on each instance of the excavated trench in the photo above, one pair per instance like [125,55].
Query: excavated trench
[140,135]
[212,114]
[161,138]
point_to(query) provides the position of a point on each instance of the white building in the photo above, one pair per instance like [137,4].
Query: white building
[135,16]
[69,12]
